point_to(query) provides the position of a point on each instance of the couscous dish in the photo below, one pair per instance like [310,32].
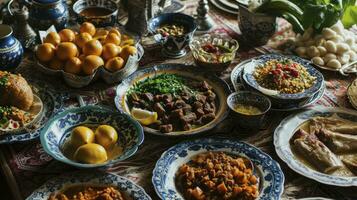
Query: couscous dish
[286,76]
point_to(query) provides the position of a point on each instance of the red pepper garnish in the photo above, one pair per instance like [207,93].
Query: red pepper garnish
[294,73]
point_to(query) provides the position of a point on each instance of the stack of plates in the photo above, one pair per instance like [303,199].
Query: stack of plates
[229,6]
[239,83]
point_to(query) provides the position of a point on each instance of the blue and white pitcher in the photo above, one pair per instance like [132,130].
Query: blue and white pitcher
[45,13]
[11,51]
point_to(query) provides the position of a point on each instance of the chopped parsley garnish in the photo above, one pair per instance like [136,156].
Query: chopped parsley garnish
[4,79]
[162,84]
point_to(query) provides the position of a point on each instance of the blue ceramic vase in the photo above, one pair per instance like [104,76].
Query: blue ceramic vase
[11,51]
[45,13]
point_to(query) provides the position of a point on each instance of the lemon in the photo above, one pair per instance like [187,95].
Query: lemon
[91,154]
[145,117]
[81,135]
[106,136]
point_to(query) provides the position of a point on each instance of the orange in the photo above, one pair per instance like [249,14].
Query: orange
[114,64]
[66,50]
[101,33]
[127,51]
[93,47]
[129,42]
[67,35]
[52,38]
[87,27]
[82,57]
[82,38]
[112,38]
[56,64]
[125,37]
[91,63]
[73,65]
[116,31]
[45,52]
[110,51]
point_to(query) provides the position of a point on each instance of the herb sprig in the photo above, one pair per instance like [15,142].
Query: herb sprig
[162,84]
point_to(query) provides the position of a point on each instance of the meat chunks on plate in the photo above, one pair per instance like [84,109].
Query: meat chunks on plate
[193,107]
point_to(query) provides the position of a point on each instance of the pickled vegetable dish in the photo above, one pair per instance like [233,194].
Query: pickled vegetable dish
[217,176]
[218,53]
[171,29]
[286,76]
[181,104]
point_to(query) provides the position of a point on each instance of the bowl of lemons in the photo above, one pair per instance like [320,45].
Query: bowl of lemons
[91,137]
[87,53]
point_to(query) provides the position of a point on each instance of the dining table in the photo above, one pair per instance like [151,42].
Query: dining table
[26,166]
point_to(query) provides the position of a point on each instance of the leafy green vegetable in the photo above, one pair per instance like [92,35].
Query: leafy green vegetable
[317,14]
[4,112]
[162,84]
[4,79]
[349,17]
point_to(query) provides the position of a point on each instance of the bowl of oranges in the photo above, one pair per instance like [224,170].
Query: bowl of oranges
[84,55]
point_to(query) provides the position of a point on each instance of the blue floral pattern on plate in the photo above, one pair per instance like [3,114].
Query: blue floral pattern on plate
[286,130]
[59,128]
[270,174]
[124,185]
[52,103]
[251,81]
[239,84]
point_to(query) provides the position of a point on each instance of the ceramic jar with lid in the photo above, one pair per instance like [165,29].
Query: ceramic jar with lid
[45,13]
[11,51]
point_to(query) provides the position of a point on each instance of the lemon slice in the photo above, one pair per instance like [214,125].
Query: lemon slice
[145,117]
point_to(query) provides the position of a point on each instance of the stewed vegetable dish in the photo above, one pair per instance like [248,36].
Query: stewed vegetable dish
[81,192]
[217,176]
[286,76]
[180,103]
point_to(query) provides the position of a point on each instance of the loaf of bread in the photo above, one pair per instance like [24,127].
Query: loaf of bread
[15,91]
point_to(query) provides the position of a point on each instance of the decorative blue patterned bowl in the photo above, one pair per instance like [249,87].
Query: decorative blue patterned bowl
[271,178]
[173,46]
[252,122]
[99,21]
[275,96]
[124,185]
[58,129]
[45,13]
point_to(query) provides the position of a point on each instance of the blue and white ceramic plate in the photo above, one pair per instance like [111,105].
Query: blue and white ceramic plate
[239,84]
[219,86]
[270,175]
[249,69]
[286,130]
[52,103]
[58,129]
[129,189]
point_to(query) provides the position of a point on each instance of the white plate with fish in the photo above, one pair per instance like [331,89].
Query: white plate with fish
[321,144]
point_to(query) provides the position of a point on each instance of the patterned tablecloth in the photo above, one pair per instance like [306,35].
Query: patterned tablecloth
[27,166]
